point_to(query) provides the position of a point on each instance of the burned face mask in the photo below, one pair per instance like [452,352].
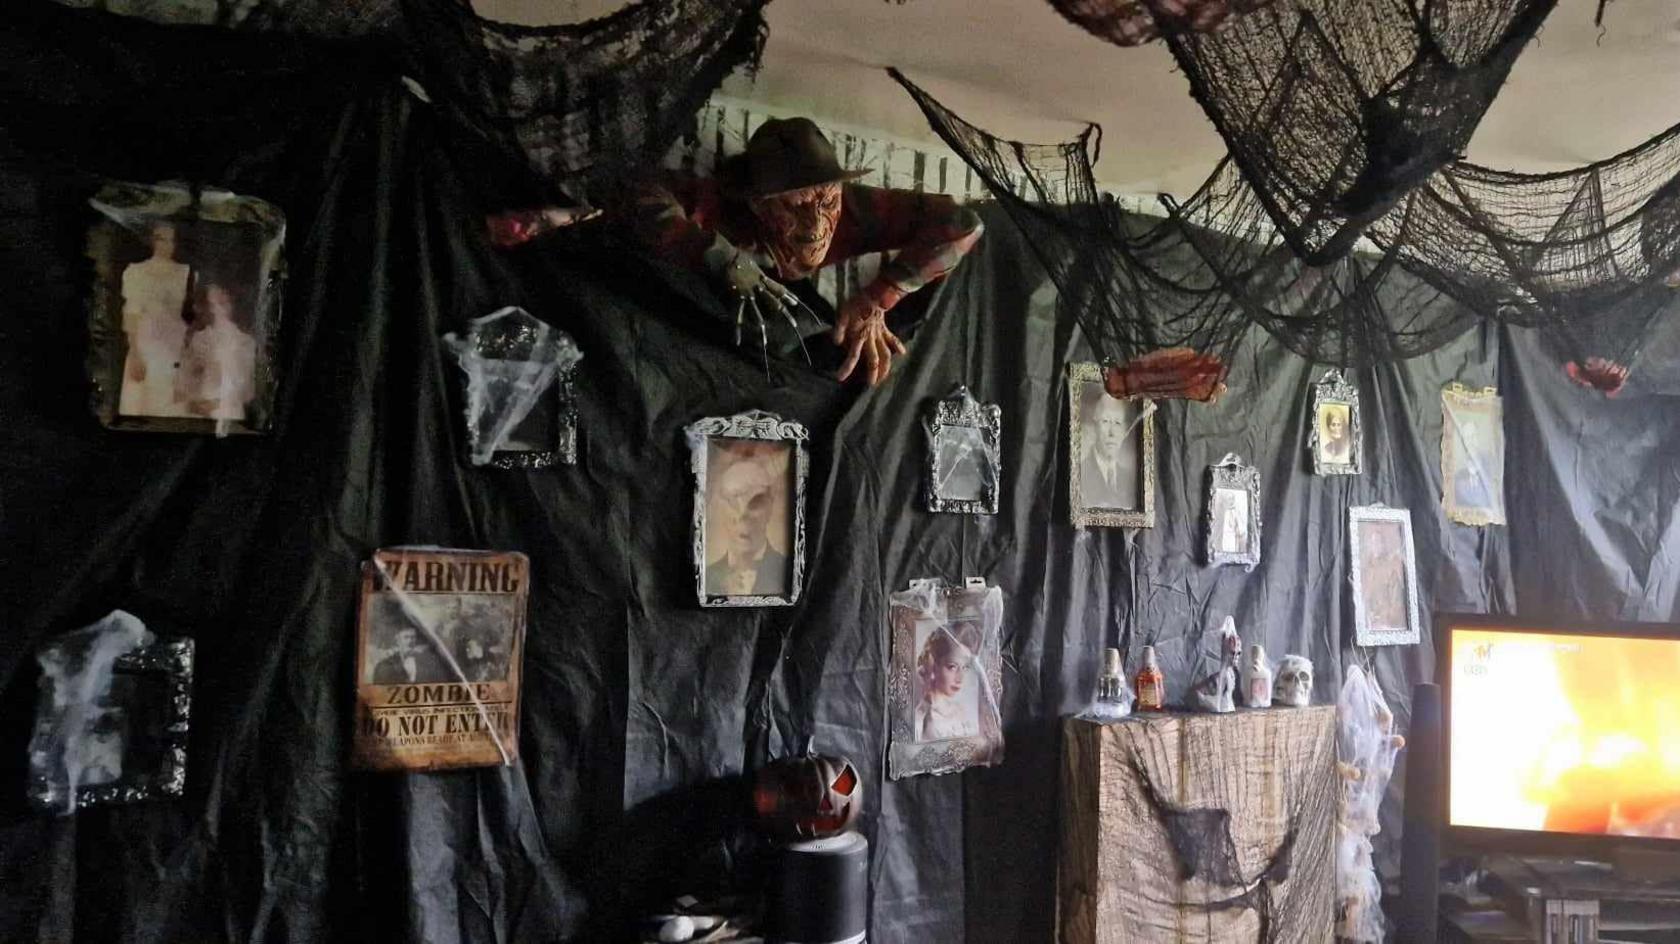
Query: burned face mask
[798,227]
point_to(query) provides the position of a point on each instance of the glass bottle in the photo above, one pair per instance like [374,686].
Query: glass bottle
[1151,686]
[1259,682]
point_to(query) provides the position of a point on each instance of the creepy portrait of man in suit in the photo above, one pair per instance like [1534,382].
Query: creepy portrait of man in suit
[1113,449]
[749,517]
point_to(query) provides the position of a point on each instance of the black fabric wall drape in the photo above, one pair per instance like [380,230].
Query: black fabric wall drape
[640,709]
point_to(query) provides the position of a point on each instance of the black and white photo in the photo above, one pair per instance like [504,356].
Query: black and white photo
[1383,572]
[749,522]
[963,455]
[1111,475]
[1231,524]
[184,308]
[1472,455]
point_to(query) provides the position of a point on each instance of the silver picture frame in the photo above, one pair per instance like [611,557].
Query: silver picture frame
[155,700]
[1231,522]
[512,340]
[964,457]
[1374,563]
[726,432]
[1335,397]
[1472,455]
[1080,378]
[926,608]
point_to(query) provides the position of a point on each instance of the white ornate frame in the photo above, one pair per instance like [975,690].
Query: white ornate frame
[1078,375]
[1231,473]
[1336,388]
[931,600]
[1456,397]
[961,410]
[168,661]
[767,427]
[1362,632]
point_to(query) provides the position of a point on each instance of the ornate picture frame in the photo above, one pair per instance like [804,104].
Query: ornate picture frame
[1085,505]
[961,729]
[520,403]
[1472,455]
[151,701]
[1335,405]
[964,458]
[184,310]
[751,467]
[1231,521]
[1381,552]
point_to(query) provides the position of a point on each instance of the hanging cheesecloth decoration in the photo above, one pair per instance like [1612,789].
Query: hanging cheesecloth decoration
[1333,110]
[587,102]
[1587,257]
[1135,22]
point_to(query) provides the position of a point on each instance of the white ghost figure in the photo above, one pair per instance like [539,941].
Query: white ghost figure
[1217,692]
[1294,682]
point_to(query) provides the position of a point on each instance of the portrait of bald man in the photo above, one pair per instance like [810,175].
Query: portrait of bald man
[1108,471]
[747,515]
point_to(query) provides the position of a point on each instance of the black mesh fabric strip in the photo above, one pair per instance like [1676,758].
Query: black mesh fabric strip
[1335,109]
[1588,257]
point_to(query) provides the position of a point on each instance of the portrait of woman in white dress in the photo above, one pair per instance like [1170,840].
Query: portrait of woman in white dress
[946,670]
[154,320]
[219,358]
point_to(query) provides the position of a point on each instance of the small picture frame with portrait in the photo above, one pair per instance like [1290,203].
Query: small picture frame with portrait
[1231,526]
[1111,454]
[945,684]
[963,455]
[749,508]
[1337,440]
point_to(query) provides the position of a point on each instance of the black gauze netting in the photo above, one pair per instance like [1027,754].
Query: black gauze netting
[1587,256]
[1199,277]
[1335,109]
[589,102]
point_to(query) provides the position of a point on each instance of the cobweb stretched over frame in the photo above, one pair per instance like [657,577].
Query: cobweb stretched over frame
[1589,257]
[1333,110]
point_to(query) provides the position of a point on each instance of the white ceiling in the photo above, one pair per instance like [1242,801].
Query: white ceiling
[1017,69]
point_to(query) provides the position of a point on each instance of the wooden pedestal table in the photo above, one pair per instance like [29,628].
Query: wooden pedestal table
[1251,798]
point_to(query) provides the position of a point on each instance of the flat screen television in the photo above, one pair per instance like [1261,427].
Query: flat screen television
[1560,738]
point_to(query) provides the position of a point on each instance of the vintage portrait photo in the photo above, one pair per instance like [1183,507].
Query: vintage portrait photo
[963,455]
[111,727]
[439,641]
[1472,455]
[1335,438]
[1383,571]
[749,518]
[945,682]
[1111,454]
[439,638]
[1231,527]
[184,309]
[521,406]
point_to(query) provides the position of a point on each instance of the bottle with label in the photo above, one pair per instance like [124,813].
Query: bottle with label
[1151,686]
[1258,679]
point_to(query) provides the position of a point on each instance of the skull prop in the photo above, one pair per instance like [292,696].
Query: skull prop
[1294,682]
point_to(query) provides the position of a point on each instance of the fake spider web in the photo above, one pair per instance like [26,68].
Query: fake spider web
[1587,256]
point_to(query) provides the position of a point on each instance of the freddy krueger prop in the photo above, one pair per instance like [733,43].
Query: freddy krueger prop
[784,209]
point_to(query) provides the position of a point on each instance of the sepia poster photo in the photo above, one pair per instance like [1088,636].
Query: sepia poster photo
[1472,455]
[440,642]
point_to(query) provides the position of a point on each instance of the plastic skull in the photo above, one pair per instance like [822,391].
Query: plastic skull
[1294,682]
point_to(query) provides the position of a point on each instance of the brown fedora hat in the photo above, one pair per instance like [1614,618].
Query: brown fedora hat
[787,154]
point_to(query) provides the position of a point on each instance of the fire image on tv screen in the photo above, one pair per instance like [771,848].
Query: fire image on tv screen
[1565,733]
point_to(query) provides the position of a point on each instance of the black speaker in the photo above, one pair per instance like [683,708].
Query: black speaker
[1420,838]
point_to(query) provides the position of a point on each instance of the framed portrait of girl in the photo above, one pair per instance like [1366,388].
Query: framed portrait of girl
[946,678]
